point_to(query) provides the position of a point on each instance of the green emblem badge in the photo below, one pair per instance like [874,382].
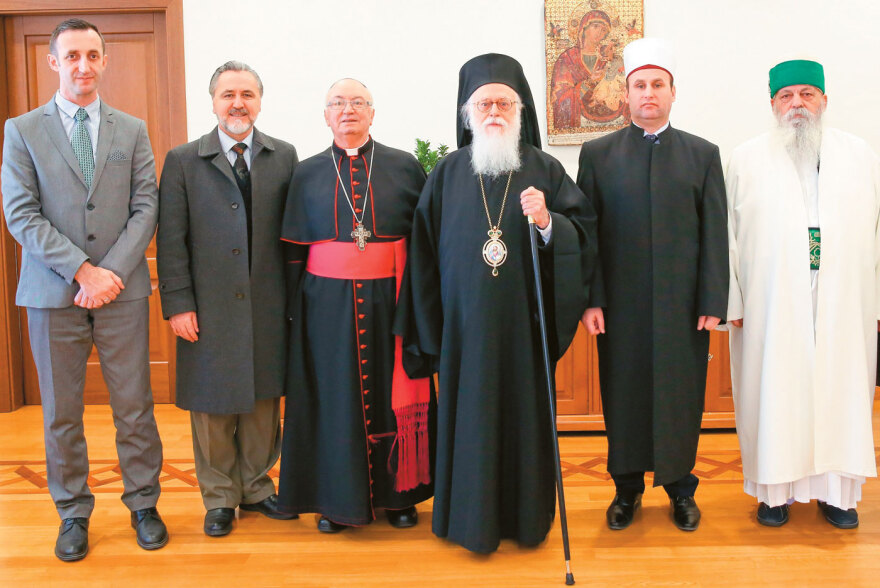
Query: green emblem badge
[815,247]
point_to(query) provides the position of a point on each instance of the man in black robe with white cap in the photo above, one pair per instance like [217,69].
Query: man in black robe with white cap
[467,308]
[660,287]
[356,430]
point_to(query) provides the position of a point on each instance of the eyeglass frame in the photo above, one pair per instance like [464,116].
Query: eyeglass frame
[495,103]
[367,104]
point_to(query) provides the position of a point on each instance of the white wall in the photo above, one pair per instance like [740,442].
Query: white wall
[409,52]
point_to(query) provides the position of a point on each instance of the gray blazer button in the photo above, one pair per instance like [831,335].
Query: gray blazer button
[90,206]
[236,251]
[239,295]
[91,237]
[234,205]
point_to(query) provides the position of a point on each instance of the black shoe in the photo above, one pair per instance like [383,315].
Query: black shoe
[218,521]
[325,525]
[402,519]
[269,507]
[73,539]
[842,519]
[622,510]
[151,531]
[685,512]
[772,516]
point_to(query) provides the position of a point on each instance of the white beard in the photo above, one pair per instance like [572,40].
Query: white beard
[235,126]
[494,154]
[802,137]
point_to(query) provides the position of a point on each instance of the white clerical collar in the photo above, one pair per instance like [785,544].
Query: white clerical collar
[227,142]
[69,108]
[657,132]
[356,151]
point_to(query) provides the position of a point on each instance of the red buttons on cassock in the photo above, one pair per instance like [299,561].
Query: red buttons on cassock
[358,209]
[360,300]
[359,285]
[360,316]
[363,346]
[354,169]
[362,331]
[365,376]
[363,361]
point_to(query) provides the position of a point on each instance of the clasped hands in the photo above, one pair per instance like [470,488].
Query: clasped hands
[97,286]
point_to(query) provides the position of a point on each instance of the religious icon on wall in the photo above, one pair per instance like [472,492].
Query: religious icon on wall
[585,75]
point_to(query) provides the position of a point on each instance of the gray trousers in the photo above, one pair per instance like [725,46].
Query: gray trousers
[234,453]
[61,340]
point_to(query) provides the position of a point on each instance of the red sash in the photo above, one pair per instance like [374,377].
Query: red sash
[409,398]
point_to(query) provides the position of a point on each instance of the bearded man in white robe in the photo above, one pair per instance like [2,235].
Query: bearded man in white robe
[804,234]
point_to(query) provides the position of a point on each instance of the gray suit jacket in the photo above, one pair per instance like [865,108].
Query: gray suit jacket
[60,223]
[202,258]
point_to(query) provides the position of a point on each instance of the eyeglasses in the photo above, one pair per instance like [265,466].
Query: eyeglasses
[339,104]
[486,105]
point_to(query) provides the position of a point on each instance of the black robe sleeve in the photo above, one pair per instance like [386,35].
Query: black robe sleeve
[574,259]
[419,314]
[586,182]
[712,291]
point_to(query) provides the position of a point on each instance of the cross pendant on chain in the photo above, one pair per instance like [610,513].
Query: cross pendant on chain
[360,236]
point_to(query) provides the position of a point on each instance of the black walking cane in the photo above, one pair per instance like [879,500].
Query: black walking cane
[545,347]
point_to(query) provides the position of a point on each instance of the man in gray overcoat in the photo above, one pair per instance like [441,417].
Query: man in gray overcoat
[221,279]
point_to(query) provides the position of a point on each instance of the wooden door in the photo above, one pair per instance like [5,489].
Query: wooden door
[136,81]
[579,400]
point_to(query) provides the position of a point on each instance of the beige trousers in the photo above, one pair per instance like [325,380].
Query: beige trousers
[234,453]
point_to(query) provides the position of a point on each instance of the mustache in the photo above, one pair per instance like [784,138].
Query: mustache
[238,112]
[494,120]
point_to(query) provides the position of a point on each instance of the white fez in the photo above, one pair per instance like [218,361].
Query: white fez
[648,52]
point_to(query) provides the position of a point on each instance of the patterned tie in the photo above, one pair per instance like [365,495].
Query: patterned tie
[81,142]
[652,139]
[242,175]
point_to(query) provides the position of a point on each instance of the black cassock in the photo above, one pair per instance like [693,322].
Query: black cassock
[663,263]
[494,472]
[339,427]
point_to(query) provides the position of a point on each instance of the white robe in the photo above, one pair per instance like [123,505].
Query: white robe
[803,398]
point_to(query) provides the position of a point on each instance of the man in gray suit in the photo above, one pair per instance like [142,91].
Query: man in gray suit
[222,283]
[79,194]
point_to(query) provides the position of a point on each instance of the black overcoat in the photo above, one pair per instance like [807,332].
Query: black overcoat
[663,263]
[202,256]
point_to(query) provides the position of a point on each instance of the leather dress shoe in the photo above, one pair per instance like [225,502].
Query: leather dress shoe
[842,519]
[622,510]
[269,507]
[150,530]
[73,539]
[685,512]
[218,521]
[325,525]
[402,519]
[772,516]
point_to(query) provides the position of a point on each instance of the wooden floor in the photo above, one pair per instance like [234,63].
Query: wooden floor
[729,548]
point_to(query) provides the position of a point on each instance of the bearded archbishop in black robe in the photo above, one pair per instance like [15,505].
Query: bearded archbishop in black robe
[469,313]
[356,436]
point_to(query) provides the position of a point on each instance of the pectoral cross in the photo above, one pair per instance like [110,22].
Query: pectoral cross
[360,236]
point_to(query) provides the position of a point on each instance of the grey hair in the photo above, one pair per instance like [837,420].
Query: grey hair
[233,66]
[363,85]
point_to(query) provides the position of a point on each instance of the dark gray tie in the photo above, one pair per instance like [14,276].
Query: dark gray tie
[652,139]
[81,142]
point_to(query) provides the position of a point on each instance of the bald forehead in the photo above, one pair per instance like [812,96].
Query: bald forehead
[348,88]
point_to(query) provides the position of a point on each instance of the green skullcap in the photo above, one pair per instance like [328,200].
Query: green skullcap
[795,72]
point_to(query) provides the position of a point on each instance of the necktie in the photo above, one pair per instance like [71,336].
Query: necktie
[652,139]
[242,175]
[81,142]
[243,179]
